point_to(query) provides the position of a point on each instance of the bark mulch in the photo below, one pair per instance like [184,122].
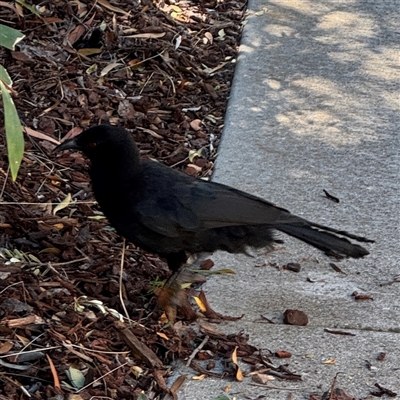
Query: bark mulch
[163,70]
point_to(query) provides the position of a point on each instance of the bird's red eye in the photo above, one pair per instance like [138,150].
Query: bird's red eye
[92,144]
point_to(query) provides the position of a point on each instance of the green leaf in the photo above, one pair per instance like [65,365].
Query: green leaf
[4,76]
[9,37]
[28,7]
[13,128]
[76,377]
[33,258]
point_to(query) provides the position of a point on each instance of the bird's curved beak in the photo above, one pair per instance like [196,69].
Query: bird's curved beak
[70,144]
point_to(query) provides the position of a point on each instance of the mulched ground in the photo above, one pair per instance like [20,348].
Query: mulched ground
[164,70]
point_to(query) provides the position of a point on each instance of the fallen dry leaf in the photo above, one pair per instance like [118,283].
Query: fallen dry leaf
[76,34]
[239,374]
[6,347]
[149,35]
[199,377]
[340,394]
[262,379]
[196,124]
[209,37]
[200,304]
[110,67]
[163,335]
[64,204]
[40,135]
[110,7]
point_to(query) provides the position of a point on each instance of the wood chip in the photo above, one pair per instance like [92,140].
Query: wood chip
[139,349]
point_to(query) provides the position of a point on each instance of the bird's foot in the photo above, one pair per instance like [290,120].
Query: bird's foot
[173,296]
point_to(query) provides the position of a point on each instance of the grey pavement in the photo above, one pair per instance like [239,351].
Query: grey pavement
[316,105]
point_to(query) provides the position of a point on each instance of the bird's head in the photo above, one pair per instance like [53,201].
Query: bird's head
[97,140]
[110,149]
[105,142]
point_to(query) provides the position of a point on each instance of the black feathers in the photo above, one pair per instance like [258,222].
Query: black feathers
[169,213]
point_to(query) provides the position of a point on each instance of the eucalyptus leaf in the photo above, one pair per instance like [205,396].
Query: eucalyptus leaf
[9,37]
[76,377]
[13,128]
[65,203]
[28,7]
[4,75]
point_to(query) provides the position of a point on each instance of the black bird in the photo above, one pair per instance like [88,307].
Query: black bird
[167,212]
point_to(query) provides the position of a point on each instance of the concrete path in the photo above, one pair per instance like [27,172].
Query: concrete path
[316,105]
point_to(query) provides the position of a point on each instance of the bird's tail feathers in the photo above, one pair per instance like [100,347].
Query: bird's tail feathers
[326,239]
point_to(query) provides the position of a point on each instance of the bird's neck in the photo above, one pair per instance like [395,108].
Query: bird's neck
[113,169]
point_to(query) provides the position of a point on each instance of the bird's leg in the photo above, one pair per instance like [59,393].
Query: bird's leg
[172,296]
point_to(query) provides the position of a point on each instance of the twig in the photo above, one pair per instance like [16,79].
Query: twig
[101,377]
[36,338]
[292,377]
[121,271]
[179,162]
[98,351]
[17,203]
[396,279]
[13,284]
[198,368]
[4,184]
[43,182]
[147,81]
[169,78]
[68,262]
[77,353]
[274,387]
[30,351]
[17,384]
[196,350]
[331,394]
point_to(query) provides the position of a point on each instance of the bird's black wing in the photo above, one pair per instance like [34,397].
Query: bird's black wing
[175,202]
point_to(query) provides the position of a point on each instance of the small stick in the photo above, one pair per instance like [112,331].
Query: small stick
[101,377]
[196,350]
[121,271]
